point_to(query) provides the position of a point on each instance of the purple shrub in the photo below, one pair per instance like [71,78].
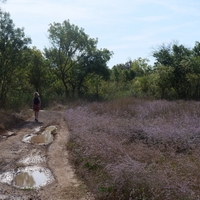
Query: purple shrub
[137,149]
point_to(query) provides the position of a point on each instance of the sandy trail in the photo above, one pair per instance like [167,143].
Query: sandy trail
[65,186]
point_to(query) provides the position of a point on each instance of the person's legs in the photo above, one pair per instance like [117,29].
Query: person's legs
[36,115]
[36,111]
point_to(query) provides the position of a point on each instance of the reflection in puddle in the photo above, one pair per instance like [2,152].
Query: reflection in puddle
[30,177]
[46,137]
[37,129]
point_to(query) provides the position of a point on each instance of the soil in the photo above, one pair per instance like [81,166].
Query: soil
[12,149]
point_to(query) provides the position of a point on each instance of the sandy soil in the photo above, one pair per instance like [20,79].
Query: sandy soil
[65,186]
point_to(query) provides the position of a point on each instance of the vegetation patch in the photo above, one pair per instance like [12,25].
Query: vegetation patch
[10,119]
[137,149]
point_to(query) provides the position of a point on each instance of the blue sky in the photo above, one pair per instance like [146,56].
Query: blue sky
[129,28]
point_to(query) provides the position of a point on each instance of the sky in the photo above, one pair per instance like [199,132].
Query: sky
[129,28]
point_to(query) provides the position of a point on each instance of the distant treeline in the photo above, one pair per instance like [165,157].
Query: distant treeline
[73,67]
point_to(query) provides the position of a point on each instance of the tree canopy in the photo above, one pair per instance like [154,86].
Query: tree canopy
[73,56]
[74,67]
[12,45]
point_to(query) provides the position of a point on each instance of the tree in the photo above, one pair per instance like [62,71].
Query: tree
[141,67]
[12,44]
[73,55]
[163,79]
[38,70]
[122,73]
[164,55]
[177,57]
[196,49]
[94,63]
[194,77]
[68,43]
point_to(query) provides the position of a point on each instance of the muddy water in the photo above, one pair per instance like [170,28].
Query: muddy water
[46,137]
[30,179]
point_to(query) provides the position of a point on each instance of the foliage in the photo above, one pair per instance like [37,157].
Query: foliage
[10,119]
[74,57]
[73,67]
[38,70]
[12,45]
[177,58]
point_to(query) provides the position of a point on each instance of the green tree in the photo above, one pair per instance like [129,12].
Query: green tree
[73,55]
[122,73]
[163,79]
[142,70]
[194,77]
[141,67]
[196,50]
[38,67]
[177,57]
[68,43]
[12,45]
[94,63]
[164,55]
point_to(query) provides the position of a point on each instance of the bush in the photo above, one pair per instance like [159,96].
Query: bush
[137,149]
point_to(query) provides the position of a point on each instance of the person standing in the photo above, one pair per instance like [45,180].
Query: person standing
[36,105]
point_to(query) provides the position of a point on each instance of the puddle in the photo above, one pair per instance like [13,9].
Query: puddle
[28,177]
[37,129]
[46,137]
[32,177]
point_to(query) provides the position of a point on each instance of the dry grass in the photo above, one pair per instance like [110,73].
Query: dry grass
[137,149]
[9,119]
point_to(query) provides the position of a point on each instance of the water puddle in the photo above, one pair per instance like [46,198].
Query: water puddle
[28,178]
[32,177]
[37,129]
[46,137]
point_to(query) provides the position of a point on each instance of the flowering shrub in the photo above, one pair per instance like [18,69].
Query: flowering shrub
[137,149]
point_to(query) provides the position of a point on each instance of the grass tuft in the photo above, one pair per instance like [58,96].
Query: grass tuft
[10,119]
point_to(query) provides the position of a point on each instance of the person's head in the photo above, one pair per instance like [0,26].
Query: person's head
[36,94]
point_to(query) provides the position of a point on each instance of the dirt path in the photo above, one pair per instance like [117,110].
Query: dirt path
[12,150]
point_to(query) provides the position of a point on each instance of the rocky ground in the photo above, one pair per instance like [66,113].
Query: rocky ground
[12,149]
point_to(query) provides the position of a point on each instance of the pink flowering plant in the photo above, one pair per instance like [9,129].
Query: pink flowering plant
[137,149]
